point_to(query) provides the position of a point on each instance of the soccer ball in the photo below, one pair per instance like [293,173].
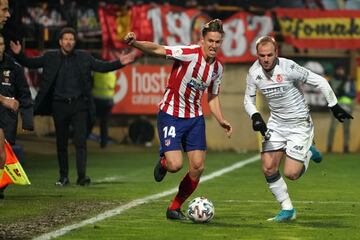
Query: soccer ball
[201,210]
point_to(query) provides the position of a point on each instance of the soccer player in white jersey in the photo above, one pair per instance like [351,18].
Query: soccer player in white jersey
[289,131]
[181,125]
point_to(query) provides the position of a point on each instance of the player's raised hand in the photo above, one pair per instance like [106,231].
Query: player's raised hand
[15,47]
[126,58]
[227,126]
[130,38]
[340,114]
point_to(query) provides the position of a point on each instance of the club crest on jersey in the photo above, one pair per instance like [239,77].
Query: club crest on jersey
[6,77]
[214,75]
[279,78]
[167,142]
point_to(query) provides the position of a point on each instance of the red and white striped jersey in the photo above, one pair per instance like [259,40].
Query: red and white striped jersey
[190,76]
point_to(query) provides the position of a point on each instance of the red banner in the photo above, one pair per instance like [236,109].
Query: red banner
[170,25]
[139,89]
[320,29]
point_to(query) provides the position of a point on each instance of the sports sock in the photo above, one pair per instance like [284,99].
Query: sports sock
[1,173]
[278,188]
[163,162]
[186,188]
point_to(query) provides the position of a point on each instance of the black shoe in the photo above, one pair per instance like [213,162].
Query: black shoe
[159,171]
[175,214]
[83,181]
[62,182]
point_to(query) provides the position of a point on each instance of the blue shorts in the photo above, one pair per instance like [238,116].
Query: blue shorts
[180,133]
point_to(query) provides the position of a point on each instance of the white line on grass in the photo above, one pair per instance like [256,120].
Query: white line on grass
[137,202]
[272,201]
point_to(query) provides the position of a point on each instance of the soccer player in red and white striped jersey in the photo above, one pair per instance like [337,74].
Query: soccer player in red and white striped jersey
[181,125]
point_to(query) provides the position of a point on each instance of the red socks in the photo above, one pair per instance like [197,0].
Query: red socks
[163,162]
[186,188]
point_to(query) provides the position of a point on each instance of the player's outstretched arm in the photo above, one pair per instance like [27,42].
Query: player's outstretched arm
[145,46]
[339,113]
[214,104]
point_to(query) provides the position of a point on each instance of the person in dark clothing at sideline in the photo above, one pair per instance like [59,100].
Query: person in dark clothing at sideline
[13,85]
[65,92]
[5,102]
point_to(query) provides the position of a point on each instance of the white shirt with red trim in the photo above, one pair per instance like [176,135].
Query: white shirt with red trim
[190,76]
[282,89]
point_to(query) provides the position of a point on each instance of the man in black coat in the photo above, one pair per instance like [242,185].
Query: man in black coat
[65,92]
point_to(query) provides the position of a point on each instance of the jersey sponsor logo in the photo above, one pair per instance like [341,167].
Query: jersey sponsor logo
[198,85]
[279,78]
[273,92]
[259,78]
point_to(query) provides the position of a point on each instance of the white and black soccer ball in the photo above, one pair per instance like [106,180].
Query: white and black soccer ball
[201,210]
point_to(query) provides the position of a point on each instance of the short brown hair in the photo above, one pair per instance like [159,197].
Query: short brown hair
[265,39]
[213,26]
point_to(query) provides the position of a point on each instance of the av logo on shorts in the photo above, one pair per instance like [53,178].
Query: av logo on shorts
[299,148]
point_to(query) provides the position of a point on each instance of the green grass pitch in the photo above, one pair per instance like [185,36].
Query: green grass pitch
[326,199]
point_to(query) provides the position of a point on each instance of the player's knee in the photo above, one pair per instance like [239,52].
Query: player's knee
[269,171]
[199,168]
[292,175]
[174,166]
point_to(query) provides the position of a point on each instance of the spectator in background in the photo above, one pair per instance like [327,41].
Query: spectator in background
[65,92]
[352,4]
[103,92]
[344,88]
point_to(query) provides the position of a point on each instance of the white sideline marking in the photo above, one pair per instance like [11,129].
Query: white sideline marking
[300,202]
[137,202]
[108,179]
[272,202]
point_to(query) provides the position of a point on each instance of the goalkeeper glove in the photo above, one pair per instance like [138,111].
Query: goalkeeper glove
[258,123]
[339,113]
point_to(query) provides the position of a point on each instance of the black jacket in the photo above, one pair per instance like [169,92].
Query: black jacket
[50,62]
[13,84]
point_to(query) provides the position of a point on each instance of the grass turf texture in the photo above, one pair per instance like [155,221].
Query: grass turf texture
[326,199]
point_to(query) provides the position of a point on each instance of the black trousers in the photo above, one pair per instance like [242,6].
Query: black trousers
[74,113]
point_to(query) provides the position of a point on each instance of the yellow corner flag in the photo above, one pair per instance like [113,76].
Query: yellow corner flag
[14,173]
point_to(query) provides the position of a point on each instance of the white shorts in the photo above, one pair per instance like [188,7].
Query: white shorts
[295,138]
